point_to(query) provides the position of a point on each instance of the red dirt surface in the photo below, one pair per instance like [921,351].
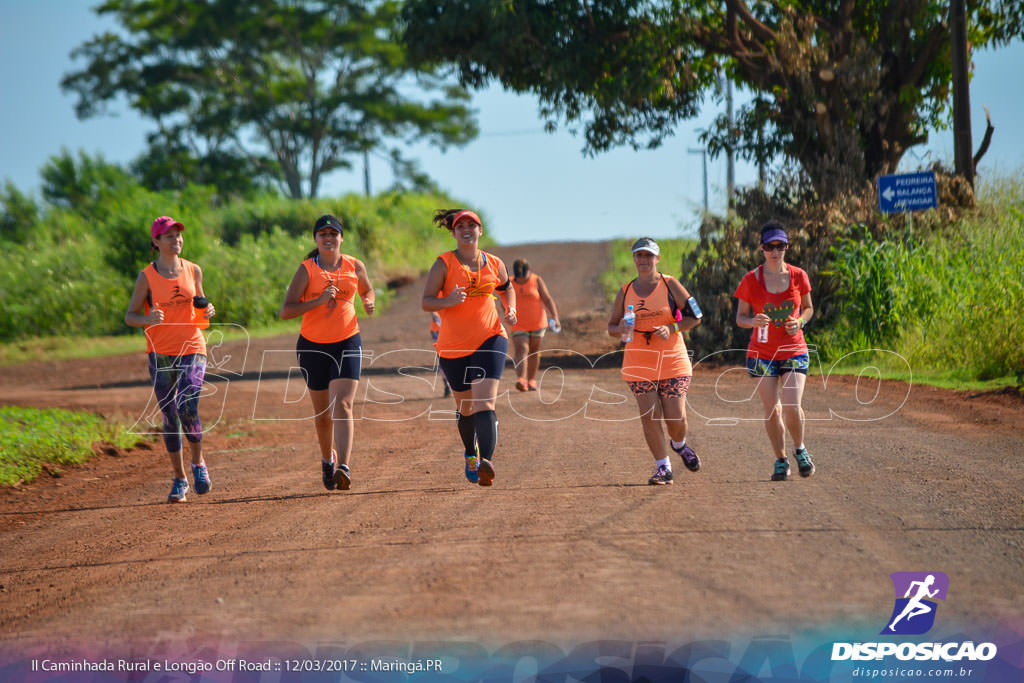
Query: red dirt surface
[570,543]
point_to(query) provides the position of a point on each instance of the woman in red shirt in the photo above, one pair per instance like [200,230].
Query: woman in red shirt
[472,343]
[329,348]
[169,302]
[534,306]
[656,364]
[777,354]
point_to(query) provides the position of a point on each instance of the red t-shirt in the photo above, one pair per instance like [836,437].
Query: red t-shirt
[774,343]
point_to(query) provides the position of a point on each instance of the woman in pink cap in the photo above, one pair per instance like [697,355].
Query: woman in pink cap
[170,304]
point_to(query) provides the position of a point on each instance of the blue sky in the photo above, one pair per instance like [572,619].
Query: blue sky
[531,186]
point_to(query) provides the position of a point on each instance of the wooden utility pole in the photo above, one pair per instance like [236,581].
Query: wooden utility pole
[730,159]
[962,155]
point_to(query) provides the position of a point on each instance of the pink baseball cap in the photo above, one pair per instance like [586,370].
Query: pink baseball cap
[466,214]
[163,224]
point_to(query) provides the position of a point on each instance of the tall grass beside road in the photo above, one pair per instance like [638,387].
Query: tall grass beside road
[950,303]
[70,273]
[31,439]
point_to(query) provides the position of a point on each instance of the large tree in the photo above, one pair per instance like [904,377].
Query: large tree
[842,87]
[290,88]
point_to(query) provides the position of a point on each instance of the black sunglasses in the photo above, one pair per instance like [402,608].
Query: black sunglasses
[774,247]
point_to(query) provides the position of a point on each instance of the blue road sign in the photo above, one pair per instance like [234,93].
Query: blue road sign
[907,192]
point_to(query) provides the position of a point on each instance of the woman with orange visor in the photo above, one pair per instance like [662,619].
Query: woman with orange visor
[472,344]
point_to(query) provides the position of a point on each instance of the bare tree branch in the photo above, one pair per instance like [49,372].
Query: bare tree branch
[986,141]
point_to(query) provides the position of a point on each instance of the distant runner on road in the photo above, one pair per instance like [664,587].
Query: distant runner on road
[535,308]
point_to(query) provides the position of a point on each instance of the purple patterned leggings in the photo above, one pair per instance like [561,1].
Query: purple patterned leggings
[177,381]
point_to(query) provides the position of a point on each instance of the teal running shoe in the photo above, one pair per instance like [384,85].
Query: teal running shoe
[781,471]
[803,462]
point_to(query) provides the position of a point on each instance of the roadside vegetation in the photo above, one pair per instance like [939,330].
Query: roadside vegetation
[32,440]
[932,297]
[947,300]
[71,261]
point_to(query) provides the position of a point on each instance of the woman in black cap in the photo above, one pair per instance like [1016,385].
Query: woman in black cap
[777,354]
[330,349]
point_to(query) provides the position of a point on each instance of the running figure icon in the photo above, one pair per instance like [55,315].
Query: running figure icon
[916,605]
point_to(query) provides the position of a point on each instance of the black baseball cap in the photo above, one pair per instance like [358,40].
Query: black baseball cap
[327,221]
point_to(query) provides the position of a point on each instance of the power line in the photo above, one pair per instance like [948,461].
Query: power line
[514,132]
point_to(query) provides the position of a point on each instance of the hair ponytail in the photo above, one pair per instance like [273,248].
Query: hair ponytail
[443,218]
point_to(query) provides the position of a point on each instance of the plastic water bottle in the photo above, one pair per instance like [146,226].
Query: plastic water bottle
[200,303]
[630,320]
[554,326]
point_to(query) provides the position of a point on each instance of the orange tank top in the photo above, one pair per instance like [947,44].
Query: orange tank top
[530,313]
[335,320]
[465,327]
[179,333]
[649,357]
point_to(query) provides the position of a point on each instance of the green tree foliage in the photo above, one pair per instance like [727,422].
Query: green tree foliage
[843,88]
[84,184]
[169,165]
[291,89]
[70,270]
[18,213]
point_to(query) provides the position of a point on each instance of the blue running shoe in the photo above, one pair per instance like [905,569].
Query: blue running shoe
[201,479]
[178,490]
[343,478]
[472,475]
[803,462]
[781,471]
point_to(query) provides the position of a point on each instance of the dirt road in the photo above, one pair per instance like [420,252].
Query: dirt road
[569,544]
